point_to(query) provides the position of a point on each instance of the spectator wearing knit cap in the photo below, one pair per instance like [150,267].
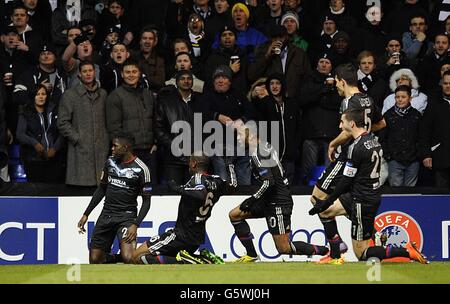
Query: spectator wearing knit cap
[291,23]
[341,48]
[319,101]
[248,38]
[279,55]
[324,35]
[225,104]
[228,54]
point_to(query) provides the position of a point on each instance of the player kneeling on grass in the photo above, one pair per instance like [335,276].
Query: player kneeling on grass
[272,201]
[124,177]
[358,195]
[177,246]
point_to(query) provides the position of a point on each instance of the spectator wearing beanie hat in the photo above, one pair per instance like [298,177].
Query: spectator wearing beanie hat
[324,35]
[248,38]
[341,48]
[225,104]
[231,55]
[291,23]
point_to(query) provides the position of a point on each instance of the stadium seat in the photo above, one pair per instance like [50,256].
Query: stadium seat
[16,168]
[315,174]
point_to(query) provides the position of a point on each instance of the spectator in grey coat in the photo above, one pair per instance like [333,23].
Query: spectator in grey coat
[130,108]
[81,120]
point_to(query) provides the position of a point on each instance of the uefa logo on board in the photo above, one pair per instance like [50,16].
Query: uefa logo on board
[399,228]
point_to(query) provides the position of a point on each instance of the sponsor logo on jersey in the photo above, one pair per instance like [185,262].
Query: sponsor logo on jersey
[117,182]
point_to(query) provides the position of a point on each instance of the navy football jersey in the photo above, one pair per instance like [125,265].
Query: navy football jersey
[267,168]
[198,197]
[372,114]
[363,165]
[125,181]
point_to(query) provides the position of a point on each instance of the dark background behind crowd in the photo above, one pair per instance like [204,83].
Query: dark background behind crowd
[75,72]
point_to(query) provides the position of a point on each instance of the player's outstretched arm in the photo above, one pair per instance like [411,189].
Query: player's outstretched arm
[379,125]
[342,138]
[197,192]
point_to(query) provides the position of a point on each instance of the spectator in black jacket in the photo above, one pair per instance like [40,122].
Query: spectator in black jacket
[46,73]
[32,40]
[400,139]
[40,140]
[369,80]
[428,69]
[320,103]
[229,54]
[175,105]
[226,105]
[273,106]
[435,135]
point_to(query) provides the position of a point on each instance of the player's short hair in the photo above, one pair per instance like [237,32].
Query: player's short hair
[403,88]
[348,72]
[201,160]
[125,137]
[356,115]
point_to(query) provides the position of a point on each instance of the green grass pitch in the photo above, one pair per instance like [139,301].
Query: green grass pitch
[256,273]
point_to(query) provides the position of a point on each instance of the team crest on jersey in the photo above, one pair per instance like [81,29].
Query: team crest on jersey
[400,228]
[129,173]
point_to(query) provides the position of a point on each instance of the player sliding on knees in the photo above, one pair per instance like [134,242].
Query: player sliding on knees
[177,246]
[347,86]
[272,201]
[358,195]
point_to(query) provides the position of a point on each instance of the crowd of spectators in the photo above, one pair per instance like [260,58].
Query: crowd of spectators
[75,72]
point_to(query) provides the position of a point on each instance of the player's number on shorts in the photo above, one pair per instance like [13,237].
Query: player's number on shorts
[367,120]
[376,157]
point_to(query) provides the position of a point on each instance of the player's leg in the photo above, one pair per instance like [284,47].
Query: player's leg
[326,183]
[102,240]
[337,245]
[242,229]
[278,220]
[363,218]
[161,249]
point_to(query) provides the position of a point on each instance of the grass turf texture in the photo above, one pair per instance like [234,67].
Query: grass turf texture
[270,273]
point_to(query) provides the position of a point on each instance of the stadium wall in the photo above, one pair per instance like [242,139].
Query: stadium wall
[43,230]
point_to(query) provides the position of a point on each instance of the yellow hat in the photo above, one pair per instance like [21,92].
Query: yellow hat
[243,7]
